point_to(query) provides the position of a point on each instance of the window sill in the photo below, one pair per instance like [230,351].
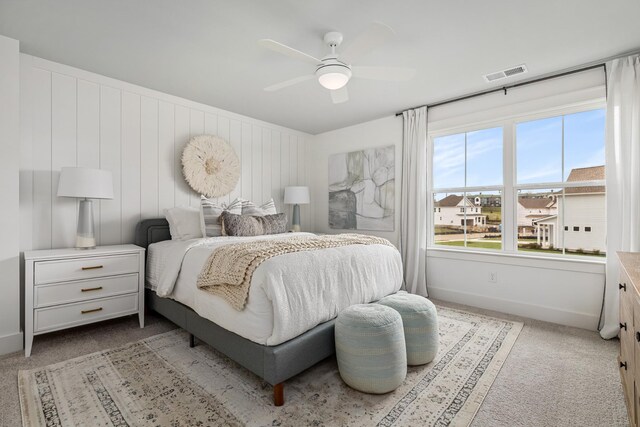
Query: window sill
[566,262]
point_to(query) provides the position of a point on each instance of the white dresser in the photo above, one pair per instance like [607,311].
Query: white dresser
[71,287]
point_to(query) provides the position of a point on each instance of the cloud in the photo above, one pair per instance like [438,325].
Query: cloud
[546,174]
[484,150]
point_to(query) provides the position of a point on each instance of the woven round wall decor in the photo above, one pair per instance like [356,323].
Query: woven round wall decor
[210,165]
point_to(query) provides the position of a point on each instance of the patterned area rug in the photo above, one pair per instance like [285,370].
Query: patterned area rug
[160,381]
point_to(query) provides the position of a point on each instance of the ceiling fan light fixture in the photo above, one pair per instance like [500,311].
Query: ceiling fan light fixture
[333,76]
[334,70]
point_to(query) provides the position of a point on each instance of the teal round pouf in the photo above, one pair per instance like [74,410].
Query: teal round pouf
[420,321]
[370,348]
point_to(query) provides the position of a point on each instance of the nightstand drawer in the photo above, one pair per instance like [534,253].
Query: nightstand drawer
[82,290]
[84,268]
[65,316]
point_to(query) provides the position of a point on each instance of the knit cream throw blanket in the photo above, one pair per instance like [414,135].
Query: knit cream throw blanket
[229,269]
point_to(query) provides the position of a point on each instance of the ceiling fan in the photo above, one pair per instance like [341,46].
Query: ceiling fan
[335,70]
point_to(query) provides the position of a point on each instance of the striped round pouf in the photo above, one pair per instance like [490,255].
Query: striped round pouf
[420,322]
[370,348]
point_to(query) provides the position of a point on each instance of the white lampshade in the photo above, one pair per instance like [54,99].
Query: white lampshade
[296,195]
[86,183]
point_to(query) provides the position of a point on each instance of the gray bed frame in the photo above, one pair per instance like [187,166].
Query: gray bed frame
[274,364]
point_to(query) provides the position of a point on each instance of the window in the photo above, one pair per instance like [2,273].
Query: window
[555,178]
[568,151]
[467,189]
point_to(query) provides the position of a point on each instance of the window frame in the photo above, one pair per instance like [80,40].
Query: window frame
[463,190]
[509,188]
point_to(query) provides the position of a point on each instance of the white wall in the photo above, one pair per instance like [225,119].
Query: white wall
[564,292]
[377,133]
[73,117]
[10,335]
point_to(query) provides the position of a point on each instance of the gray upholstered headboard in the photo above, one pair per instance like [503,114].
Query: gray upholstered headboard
[150,231]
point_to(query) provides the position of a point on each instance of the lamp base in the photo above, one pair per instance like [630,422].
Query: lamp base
[83,243]
[295,221]
[85,238]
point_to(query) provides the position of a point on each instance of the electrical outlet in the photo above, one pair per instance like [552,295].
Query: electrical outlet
[493,277]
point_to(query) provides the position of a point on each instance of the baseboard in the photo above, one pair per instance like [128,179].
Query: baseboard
[532,311]
[11,343]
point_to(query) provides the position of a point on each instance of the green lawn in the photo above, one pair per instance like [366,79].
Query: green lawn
[559,252]
[443,229]
[497,244]
[487,244]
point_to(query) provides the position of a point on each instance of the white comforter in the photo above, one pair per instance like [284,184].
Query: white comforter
[289,294]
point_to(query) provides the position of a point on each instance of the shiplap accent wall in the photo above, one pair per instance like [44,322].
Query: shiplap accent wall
[71,117]
[10,334]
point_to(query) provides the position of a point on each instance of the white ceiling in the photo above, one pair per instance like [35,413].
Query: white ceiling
[207,51]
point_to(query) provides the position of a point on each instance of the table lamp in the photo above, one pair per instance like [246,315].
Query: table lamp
[86,184]
[296,196]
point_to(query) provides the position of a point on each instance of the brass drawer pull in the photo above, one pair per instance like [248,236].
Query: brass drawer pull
[94,267]
[91,311]
[623,287]
[623,365]
[91,289]
[623,326]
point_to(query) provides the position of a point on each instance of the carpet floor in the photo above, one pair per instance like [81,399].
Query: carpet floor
[554,375]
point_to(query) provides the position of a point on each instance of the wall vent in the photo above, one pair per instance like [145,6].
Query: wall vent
[503,74]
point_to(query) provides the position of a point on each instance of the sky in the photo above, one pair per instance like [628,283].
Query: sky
[538,148]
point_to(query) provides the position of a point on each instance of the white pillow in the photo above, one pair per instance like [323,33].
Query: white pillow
[210,211]
[250,208]
[184,222]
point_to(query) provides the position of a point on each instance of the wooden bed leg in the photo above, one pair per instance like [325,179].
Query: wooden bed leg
[192,341]
[278,394]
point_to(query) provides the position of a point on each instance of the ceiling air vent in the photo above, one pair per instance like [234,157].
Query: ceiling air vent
[503,74]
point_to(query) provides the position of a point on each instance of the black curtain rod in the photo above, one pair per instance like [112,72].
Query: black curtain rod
[514,85]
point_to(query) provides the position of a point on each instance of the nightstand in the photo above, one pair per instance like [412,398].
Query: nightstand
[71,287]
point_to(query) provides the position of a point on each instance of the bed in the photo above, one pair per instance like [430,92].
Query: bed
[283,341]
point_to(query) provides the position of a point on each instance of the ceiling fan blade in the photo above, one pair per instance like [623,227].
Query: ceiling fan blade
[288,83]
[372,37]
[394,74]
[288,51]
[339,96]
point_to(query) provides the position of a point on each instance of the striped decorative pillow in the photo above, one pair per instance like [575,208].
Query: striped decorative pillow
[250,208]
[210,212]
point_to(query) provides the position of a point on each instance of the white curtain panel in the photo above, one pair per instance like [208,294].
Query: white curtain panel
[622,176]
[413,220]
